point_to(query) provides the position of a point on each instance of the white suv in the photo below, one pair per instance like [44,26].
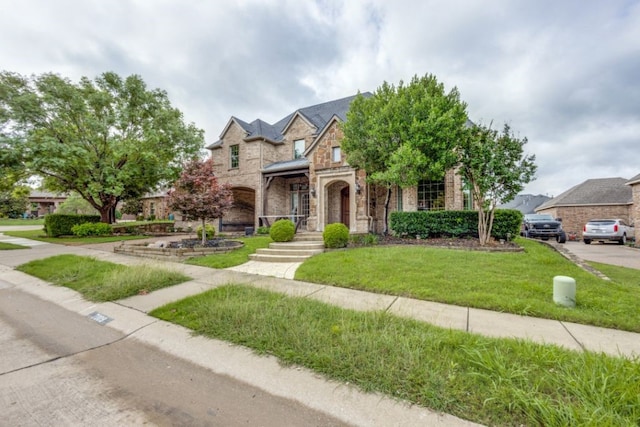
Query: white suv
[607,229]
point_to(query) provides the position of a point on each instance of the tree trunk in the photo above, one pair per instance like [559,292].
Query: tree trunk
[107,210]
[385,229]
[485,225]
[204,233]
[105,214]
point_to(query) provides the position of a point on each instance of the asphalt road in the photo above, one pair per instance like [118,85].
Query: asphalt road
[60,368]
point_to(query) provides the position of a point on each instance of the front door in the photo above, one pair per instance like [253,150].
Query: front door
[344,206]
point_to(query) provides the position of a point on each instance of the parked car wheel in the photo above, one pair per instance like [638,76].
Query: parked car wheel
[587,241]
[623,240]
[562,237]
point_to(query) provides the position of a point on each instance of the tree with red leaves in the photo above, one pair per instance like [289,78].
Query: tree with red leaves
[198,194]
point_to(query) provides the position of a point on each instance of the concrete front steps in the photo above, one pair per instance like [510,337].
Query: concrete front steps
[303,246]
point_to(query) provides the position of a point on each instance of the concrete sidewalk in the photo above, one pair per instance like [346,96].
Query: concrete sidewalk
[342,401]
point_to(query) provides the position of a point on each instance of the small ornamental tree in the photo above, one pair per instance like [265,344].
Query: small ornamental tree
[495,168]
[198,194]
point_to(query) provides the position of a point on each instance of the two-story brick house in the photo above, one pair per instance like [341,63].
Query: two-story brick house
[295,168]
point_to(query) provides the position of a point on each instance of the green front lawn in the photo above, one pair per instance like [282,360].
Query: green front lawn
[235,257]
[100,280]
[520,283]
[486,380]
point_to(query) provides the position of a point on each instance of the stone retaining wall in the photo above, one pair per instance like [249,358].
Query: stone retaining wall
[170,254]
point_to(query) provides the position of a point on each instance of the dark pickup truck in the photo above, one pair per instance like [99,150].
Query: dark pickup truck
[543,226]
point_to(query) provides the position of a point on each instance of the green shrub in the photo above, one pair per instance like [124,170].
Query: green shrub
[282,230]
[208,229]
[262,230]
[91,229]
[60,224]
[506,224]
[335,235]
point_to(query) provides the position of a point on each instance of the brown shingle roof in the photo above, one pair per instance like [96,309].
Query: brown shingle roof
[601,191]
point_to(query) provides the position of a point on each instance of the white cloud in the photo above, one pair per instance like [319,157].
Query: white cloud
[563,74]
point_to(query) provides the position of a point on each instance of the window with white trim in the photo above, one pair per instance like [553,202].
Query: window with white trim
[298,148]
[336,155]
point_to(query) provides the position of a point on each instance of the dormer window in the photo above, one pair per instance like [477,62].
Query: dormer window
[298,148]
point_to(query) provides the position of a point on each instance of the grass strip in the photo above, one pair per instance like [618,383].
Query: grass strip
[235,257]
[622,275]
[4,246]
[19,221]
[100,280]
[486,380]
[69,240]
[520,283]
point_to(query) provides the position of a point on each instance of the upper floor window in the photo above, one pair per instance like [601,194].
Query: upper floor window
[234,156]
[298,148]
[431,195]
[336,155]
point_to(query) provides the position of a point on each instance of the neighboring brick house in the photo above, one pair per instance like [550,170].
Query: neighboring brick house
[594,198]
[634,183]
[42,203]
[295,168]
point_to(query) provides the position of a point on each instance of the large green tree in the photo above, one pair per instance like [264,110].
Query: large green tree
[107,139]
[495,168]
[404,134]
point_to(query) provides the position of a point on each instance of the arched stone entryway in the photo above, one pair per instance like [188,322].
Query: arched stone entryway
[338,197]
[337,208]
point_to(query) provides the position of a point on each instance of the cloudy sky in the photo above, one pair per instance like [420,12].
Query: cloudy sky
[563,73]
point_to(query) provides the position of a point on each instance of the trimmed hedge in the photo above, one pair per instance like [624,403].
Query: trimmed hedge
[282,230]
[506,224]
[335,235]
[92,229]
[61,224]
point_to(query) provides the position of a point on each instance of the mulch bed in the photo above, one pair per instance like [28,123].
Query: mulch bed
[197,243]
[469,243]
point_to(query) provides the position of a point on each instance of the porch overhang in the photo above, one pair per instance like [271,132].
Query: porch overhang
[289,169]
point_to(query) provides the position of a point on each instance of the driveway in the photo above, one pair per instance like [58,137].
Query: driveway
[606,253]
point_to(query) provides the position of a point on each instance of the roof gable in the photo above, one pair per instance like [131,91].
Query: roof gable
[601,191]
[312,146]
[317,116]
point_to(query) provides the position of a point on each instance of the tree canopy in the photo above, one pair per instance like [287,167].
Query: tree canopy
[495,167]
[404,134]
[108,139]
[198,194]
